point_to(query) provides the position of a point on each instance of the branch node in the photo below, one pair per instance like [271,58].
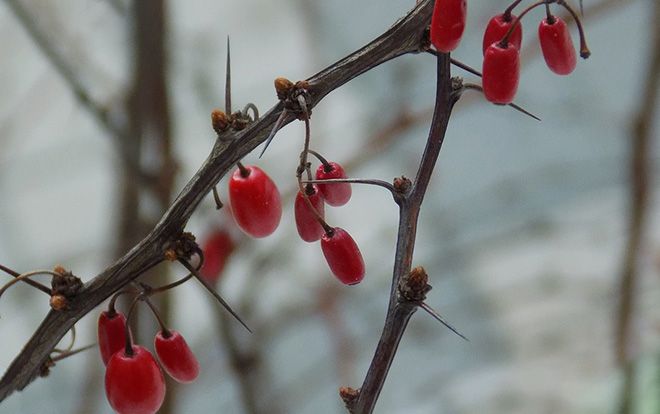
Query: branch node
[64,286]
[349,396]
[181,248]
[414,286]
[402,185]
[219,121]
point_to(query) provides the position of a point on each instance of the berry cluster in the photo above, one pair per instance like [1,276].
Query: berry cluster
[257,208]
[134,382]
[339,249]
[502,43]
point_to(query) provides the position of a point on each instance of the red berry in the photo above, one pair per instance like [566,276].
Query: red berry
[343,256]
[447,24]
[498,26]
[176,357]
[255,201]
[217,248]
[308,226]
[111,334]
[501,72]
[335,194]
[557,46]
[134,384]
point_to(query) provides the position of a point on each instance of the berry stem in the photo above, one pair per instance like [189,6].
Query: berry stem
[72,352]
[216,198]
[379,183]
[163,328]
[71,343]
[128,347]
[26,276]
[30,282]
[507,13]
[326,165]
[548,15]
[505,40]
[304,166]
[255,111]
[584,49]
[244,171]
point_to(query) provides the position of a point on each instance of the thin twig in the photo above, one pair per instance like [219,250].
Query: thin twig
[398,312]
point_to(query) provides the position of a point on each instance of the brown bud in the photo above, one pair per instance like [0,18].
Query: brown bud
[349,395]
[170,254]
[58,302]
[303,84]
[402,184]
[282,87]
[418,279]
[59,269]
[219,120]
[415,285]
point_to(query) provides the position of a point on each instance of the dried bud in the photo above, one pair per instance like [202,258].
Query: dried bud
[415,285]
[58,302]
[59,269]
[282,87]
[418,279]
[219,120]
[303,84]
[349,395]
[401,184]
[170,255]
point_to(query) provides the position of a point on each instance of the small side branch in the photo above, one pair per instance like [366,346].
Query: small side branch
[400,311]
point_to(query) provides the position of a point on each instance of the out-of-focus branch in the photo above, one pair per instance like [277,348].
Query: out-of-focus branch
[404,37]
[44,42]
[641,133]
[640,172]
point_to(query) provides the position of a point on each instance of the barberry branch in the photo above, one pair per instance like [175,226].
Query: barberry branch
[404,37]
[399,311]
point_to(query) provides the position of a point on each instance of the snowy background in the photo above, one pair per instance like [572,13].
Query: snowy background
[522,231]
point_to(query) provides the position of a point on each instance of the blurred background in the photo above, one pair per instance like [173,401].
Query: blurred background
[541,239]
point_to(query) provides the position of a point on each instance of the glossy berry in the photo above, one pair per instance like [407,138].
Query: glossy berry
[501,73]
[307,224]
[176,357]
[335,194]
[343,256]
[111,334]
[255,201]
[497,28]
[557,46]
[448,24]
[134,384]
[217,248]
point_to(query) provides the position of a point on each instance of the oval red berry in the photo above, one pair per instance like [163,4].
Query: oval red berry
[255,202]
[134,383]
[497,28]
[343,256]
[176,357]
[557,46]
[111,334]
[307,224]
[217,248]
[335,194]
[501,73]
[448,24]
